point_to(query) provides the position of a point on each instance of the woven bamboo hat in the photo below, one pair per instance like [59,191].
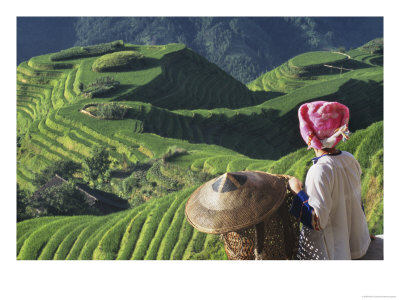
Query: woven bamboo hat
[235,200]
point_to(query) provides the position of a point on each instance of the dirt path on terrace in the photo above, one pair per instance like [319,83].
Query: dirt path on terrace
[348,56]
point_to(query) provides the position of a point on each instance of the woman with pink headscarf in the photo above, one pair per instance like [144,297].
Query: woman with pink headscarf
[330,207]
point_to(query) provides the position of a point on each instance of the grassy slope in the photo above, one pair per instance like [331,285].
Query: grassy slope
[177,86]
[158,229]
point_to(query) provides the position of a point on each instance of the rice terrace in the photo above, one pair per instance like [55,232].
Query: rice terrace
[160,121]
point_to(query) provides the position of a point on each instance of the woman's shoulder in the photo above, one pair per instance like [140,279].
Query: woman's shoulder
[331,158]
[347,154]
[322,167]
[343,159]
[349,158]
[330,161]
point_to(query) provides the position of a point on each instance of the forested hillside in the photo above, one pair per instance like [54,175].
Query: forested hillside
[244,47]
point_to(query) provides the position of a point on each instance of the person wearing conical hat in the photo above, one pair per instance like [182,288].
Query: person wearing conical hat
[329,206]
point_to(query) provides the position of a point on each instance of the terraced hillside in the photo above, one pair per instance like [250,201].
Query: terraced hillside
[158,229]
[49,100]
[173,98]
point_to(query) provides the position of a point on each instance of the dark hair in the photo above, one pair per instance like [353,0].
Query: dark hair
[329,150]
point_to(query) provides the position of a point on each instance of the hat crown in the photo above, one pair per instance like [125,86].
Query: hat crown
[229,182]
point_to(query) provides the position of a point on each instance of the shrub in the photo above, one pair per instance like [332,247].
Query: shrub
[374,47]
[63,168]
[100,87]
[341,49]
[111,111]
[118,61]
[155,175]
[22,202]
[63,199]
[173,152]
[80,52]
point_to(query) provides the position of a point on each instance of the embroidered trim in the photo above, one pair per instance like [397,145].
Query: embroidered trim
[310,138]
[315,159]
[315,222]
[302,210]
[344,131]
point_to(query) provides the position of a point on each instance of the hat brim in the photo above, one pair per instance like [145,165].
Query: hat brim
[216,212]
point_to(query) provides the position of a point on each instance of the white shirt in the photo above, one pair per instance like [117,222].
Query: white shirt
[333,185]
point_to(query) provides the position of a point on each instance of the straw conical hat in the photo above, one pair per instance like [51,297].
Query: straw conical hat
[235,200]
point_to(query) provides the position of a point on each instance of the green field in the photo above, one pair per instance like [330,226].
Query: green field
[177,99]
[316,58]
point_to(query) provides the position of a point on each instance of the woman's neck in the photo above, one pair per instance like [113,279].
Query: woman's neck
[320,152]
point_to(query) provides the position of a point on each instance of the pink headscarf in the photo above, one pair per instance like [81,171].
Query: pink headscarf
[323,124]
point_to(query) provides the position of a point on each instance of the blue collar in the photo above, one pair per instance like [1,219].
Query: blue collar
[315,159]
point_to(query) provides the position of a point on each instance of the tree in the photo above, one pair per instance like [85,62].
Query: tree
[22,203]
[97,164]
[63,199]
[63,168]
[341,49]
[111,111]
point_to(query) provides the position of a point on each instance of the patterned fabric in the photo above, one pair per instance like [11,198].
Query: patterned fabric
[310,245]
[323,124]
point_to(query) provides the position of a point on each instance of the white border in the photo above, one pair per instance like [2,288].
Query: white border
[195,279]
